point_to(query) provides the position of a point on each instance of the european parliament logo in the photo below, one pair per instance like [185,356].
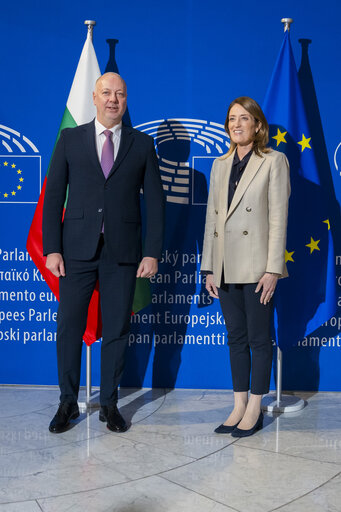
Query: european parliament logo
[186,149]
[20,168]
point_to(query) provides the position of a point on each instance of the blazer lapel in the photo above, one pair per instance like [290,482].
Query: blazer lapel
[251,170]
[91,145]
[127,139]
[223,193]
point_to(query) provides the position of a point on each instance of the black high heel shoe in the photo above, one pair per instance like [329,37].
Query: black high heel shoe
[225,429]
[237,432]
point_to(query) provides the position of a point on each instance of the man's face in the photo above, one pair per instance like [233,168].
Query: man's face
[110,99]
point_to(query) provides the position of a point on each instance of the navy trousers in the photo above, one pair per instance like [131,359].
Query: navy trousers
[248,324]
[117,286]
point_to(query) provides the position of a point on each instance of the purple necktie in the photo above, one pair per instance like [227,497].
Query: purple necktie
[107,158]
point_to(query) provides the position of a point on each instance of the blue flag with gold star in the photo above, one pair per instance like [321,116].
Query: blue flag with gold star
[306,299]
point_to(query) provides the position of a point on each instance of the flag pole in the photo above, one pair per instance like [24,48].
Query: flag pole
[287,22]
[279,402]
[90,24]
[87,405]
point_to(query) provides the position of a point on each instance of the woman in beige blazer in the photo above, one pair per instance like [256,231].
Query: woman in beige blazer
[243,254]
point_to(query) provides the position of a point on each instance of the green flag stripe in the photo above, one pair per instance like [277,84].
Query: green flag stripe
[67,122]
[142,297]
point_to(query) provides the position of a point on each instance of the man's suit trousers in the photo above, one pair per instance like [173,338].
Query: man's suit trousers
[117,286]
[248,324]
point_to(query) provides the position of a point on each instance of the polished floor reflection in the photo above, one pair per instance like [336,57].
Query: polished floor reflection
[170,460]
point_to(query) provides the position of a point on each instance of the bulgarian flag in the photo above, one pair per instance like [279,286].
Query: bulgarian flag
[79,110]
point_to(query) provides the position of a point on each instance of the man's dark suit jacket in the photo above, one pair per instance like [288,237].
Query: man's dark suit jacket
[92,199]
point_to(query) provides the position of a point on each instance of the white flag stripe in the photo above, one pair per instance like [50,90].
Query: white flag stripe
[79,103]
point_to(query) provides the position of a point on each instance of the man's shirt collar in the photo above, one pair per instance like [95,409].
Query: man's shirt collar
[116,130]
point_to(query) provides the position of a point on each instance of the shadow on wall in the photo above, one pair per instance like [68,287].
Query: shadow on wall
[184,235]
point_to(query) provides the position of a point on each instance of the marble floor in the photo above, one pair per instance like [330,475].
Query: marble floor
[170,460]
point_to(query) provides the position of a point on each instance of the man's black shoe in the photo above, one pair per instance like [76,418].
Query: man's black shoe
[66,412]
[112,416]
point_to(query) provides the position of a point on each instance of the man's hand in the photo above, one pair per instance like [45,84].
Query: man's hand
[147,268]
[211,287]
[55,264]
[268,283]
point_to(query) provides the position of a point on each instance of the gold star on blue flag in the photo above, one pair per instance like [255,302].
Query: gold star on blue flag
[280,137]
[304,143]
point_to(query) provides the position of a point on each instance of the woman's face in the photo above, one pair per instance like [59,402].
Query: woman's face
[242,126]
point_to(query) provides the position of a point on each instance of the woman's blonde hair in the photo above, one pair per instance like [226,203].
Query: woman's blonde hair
[262,136]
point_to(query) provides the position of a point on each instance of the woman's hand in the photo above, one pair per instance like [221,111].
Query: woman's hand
[268,282]
[211,287]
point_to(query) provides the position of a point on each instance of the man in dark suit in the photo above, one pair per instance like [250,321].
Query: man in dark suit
[100,167]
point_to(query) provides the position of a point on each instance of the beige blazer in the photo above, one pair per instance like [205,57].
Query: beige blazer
[249,239]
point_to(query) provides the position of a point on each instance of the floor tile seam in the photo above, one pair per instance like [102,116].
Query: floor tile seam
[31,500]
[217,451]
[200,494]
[178,436]
[37,411]
[288,455]
[92,489]
[198,399]
[137,442]
[64,445]
[193,461]
[73,493]
[41,508]
[307,493]
[163,449]
[95,462]
[114,435]
[157,409]
[202,396]
[98,461]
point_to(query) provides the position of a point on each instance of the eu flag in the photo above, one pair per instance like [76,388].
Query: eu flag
[306,299]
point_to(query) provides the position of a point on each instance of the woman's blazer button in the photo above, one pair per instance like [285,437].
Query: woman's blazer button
[215,234]
[216,211]
[245,233]
[248,209]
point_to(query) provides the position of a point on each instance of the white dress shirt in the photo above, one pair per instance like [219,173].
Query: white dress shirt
[100,137]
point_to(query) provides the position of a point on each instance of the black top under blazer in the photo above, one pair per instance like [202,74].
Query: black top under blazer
[75,172]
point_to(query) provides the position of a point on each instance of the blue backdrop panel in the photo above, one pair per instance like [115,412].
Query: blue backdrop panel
[183,61]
